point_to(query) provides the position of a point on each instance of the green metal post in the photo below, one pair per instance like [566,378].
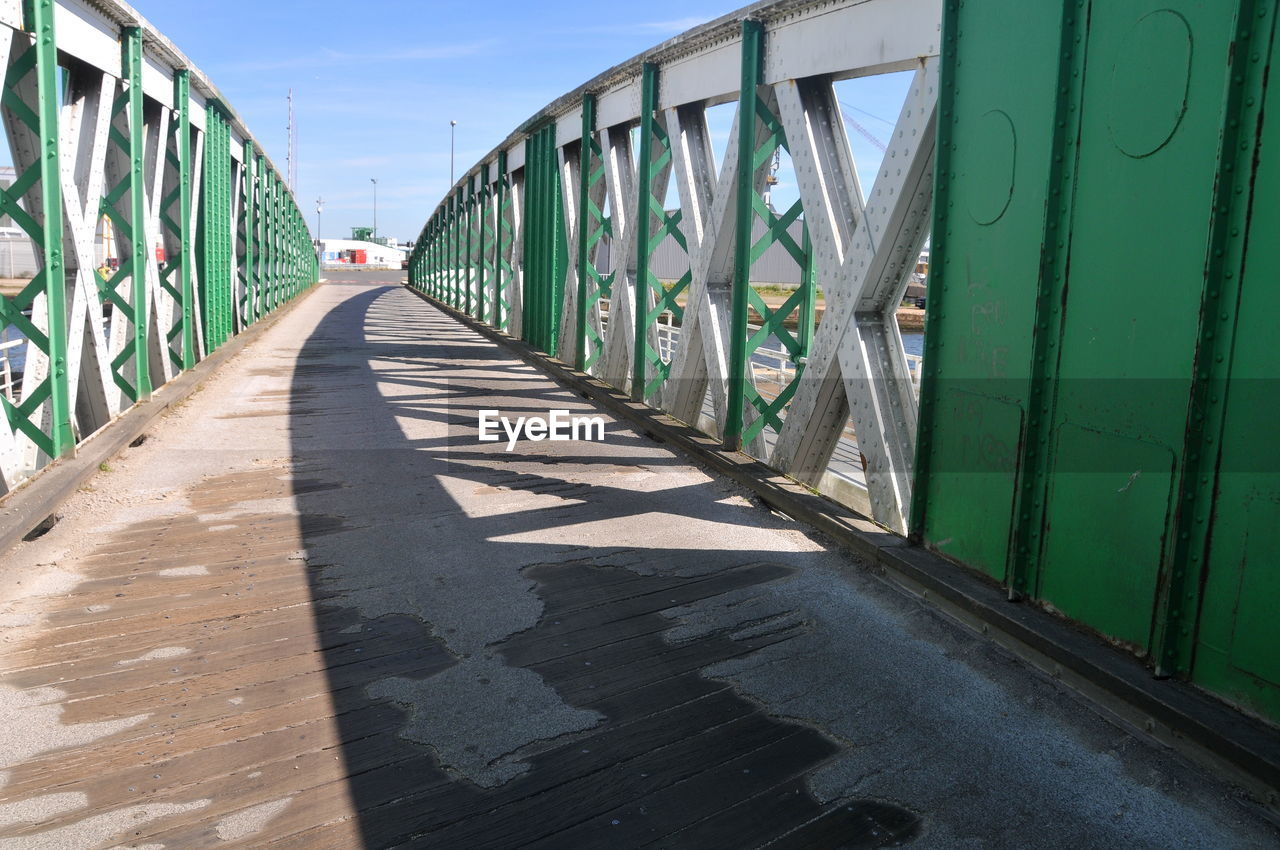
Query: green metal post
[532,233]
[500,250]
[484,240]
[1179,605]
[265,254]
[132,60]
[182,99]
[644,192]
[455,279]
[806,319]
[469,206]
[751,39]
[273,240]
[251,283]
[39,21]
[584,223]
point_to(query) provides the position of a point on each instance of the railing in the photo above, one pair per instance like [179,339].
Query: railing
[107,119]
[8,387]
[783,364]
[521,240]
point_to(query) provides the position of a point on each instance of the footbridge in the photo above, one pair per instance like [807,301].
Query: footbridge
[292,562]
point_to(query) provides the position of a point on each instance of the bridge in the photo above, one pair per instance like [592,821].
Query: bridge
[276,574]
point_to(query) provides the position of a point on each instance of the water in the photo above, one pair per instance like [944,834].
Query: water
[912,343]
[17,355]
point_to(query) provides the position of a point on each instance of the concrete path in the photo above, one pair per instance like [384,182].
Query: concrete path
[313,610]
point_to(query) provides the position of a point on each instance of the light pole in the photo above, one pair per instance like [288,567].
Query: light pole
[374,180]
[452,125]
[319,209]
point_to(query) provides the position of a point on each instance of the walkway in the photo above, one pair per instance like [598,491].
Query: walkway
[311,611]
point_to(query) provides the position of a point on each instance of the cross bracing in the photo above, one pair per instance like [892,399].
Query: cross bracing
[135,142]
[593,169]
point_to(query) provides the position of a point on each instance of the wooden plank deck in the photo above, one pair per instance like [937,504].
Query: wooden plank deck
[312,611]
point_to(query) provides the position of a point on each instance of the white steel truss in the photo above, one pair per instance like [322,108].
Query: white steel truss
[854,377]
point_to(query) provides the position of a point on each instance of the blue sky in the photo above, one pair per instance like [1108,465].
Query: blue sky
[376,84]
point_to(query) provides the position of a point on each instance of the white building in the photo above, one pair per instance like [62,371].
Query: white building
[340,252]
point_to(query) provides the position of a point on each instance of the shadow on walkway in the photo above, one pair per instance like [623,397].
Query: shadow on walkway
[493,626]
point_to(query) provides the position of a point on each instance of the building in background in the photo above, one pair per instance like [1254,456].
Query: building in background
[360,252]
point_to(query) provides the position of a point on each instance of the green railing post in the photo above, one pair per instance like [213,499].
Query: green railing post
[584,223]
[469,224]
[805,320]
[499,319]
[254,311]
[263,252]
[644,193]
[751,38]
[131,46]
[532,232]
[182,100]
[482,260]
[39,22]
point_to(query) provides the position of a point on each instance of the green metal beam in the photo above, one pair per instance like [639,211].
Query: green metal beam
[584,225]
[644,194]
[182,99]
[752,36]
[60,438]
[131,46]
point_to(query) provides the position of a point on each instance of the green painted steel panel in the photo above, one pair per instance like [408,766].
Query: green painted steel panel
[546,246]
[1237,649]
[992,190]
[1126,352]
[38,187]
[1107,530]
[1098,409]
[980,438]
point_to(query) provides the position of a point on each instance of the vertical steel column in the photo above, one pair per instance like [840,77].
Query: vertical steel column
[215,236]
[39,22]
[250,236]
[532,239]
[455,277]
[182,100]
[263,252]
[644,191]
[806,314]
[469,206]
[273,279]
[499,257]
[1034,467]
[483,253]
[1179,605]
[131,47]
[584,221]
[752,33]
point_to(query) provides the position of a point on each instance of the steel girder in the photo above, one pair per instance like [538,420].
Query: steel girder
[120,153]
[602,311]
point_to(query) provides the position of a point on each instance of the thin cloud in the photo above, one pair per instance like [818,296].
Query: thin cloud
[669,27]
[327,57]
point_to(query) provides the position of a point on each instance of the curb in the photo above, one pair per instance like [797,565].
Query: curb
[1237,747]
[37,498]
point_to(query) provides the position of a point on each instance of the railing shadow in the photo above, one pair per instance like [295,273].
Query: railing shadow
[493,623]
